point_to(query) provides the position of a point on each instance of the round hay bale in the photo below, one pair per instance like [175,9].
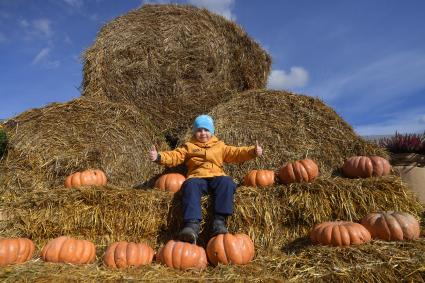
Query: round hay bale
[289,127]
[173,62]
[45,145]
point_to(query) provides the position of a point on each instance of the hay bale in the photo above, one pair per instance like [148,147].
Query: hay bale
[289,127]
[47,144]
[272,216]
[372,262]
[173,62]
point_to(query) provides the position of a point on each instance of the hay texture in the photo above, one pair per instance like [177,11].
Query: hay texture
[376,261]
[272,216]
[45,145]
[173,62]
[289,127]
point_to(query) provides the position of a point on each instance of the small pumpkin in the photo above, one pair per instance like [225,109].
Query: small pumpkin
[339,233]
[392,226]
[260,178]
[124,254]
[305,170]
[68,250]
[181,255]
[365,167]
[89,177]
[230,249]
[171,182]
[15,250]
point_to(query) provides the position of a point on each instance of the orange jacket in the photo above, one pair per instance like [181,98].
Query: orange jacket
[206,159]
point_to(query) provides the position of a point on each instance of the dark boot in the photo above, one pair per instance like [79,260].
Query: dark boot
[219,225]
[190,232]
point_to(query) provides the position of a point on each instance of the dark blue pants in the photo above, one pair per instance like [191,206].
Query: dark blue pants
[222,189]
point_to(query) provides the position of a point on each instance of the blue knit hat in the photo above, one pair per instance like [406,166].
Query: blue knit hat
[204,121]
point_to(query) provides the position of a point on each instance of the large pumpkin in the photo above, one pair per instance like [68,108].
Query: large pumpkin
[124,254]
[260,178]
[89,177]
[305,170]
[340,233]
[15,250]
[68,250]
[181,255]
[365,166]
[230,249]
[171,182]
[392,226]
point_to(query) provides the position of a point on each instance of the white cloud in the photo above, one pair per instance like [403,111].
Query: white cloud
[39,28]
[74,3]
[52,64]
[23,23]
[404,122]
[43,26]
[378,82]
[41,55]
[280,79]
[42,59]
[221,7]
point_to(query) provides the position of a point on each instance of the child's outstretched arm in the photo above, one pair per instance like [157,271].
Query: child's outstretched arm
[170,158]
[234,154]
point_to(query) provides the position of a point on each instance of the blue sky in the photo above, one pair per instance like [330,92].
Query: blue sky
[364,58]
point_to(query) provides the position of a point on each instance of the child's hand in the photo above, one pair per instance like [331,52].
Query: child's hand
[258,149]
[153,153]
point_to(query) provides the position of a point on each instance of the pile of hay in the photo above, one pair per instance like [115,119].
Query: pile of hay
[173,62]
[372,262]
[45,145]
[272,216]
[3,141]
[289,127]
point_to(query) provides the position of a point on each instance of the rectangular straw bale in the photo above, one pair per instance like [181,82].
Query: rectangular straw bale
[372,262]
[271,216]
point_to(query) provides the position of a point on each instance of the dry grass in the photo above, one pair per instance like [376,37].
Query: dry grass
[372,262]
[272,216]
[173,62]
[47,144]
[289,127]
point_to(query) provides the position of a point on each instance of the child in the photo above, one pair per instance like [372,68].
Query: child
[204,156]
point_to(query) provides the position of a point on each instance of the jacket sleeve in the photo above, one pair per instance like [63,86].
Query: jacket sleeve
[234,154]
[173,158]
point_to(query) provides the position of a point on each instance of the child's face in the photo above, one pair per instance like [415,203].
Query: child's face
[202,135]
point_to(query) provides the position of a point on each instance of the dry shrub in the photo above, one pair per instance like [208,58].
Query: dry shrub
[173,62]
[47,144]
[289,127]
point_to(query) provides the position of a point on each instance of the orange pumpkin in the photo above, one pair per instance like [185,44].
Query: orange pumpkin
[68,250]
[181,255]
[392,226]
[230,249]
[89,177]
[171,182]
[365,167]
[124,254]
[339,233]
[260,178]
[305,170]
[15,250]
